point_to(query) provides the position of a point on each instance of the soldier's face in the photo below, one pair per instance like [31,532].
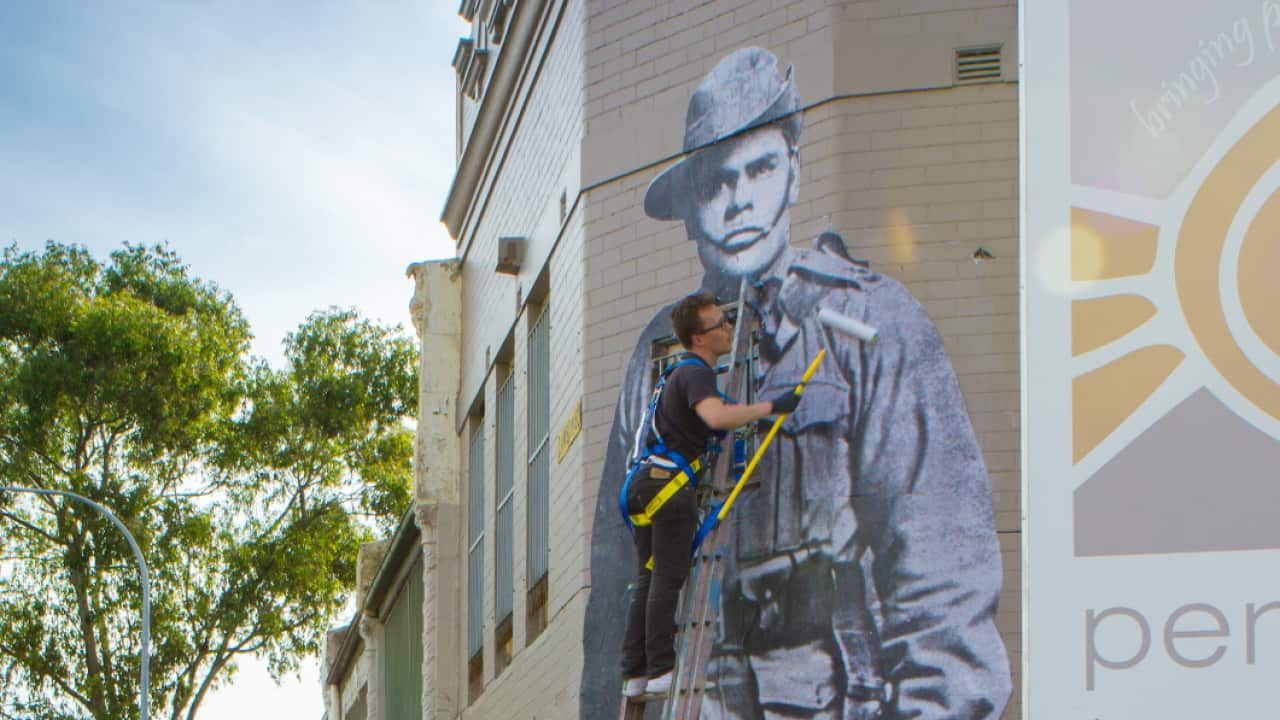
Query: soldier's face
[742,189]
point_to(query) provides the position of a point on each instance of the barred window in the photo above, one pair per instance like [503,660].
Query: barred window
[475,540]
[539,497]
[504,526]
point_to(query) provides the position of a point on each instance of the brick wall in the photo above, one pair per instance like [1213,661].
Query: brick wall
[535,160]
[534,164]
[915,173]
[542,678]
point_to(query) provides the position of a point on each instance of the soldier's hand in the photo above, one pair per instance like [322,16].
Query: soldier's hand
[786,402]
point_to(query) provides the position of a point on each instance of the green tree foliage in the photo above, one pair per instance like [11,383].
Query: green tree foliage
[247,487]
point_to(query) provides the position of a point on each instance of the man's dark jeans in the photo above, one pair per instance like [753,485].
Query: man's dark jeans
[648,648]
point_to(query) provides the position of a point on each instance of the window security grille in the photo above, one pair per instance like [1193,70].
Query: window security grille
[504,527]
[475,537]
[978,65]
[539,512]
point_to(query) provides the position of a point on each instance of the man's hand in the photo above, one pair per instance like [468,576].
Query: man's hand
[786,402]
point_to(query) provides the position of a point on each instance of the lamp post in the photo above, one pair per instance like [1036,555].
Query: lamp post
[144,700]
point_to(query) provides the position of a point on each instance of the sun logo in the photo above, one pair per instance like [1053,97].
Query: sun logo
[1175,295]
[1175,352]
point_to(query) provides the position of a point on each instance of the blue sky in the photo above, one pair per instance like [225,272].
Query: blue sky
[295,153]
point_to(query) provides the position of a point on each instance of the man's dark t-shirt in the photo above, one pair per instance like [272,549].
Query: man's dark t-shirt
[681,427]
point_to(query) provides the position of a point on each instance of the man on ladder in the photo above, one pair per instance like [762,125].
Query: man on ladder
[657,499]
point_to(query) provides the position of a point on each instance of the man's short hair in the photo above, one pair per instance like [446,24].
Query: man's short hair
[686,316]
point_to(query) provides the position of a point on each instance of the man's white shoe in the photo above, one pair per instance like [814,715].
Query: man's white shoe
[634,687]
[660,685]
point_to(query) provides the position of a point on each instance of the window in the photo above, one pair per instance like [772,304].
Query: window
[539,495]
[475,540]
[504,583]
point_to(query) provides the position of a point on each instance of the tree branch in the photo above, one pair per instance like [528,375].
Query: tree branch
[220,661]
[21,522]
[56,680]
[92,667]
[37,481]
[187,675]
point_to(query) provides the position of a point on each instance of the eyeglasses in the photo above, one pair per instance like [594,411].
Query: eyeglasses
[725,321]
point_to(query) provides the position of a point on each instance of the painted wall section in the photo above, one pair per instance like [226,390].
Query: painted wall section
[917,174]
[436,312]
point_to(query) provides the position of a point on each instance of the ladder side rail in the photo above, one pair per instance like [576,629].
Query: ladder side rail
[696,628]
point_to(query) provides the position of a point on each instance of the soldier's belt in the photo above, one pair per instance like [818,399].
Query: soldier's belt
[786,562]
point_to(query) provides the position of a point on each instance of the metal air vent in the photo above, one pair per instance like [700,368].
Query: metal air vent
[510,254]
[978,65]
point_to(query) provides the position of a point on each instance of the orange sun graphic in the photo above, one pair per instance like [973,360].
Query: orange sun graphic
[1172,295]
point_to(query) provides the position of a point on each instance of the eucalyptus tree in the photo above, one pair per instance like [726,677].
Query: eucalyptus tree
[248,487]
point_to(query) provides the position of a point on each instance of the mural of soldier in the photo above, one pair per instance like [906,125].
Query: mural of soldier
[865,569]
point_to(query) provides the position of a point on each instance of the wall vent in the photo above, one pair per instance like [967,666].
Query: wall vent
[510,254]
[978,65]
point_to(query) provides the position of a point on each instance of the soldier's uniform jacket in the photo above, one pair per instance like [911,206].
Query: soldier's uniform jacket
[872,519]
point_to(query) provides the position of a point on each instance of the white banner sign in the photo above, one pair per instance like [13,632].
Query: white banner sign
[1151,211]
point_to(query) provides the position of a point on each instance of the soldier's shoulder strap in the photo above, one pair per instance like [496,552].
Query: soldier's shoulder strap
[829,263]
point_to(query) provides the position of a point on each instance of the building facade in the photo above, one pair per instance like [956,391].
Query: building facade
[567,112]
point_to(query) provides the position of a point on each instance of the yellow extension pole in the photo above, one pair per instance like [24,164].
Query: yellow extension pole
[777,423]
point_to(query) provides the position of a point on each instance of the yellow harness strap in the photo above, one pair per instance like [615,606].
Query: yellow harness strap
[677,481]
[673,486]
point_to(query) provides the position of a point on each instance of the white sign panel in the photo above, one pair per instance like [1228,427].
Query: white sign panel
[1151,211]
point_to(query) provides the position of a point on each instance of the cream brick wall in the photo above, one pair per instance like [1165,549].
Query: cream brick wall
[570,547]
[542,679]
[536,160]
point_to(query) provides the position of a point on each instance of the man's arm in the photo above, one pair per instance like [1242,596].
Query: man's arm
[720,415]
[923,501]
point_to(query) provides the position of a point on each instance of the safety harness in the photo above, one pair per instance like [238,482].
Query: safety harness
[658,454]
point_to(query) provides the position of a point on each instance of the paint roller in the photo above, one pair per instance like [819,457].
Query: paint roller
[848,325]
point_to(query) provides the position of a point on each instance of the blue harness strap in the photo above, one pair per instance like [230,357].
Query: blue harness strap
[658,449]
[712,517]
[708,524]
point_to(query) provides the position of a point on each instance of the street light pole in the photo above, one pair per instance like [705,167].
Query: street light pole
[144,700]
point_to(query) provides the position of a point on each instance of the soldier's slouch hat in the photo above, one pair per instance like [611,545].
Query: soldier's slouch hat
[743,91]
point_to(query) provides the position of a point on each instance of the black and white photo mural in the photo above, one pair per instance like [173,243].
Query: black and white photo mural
[865,569]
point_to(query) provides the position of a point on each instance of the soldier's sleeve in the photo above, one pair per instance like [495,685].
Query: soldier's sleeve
[923,501]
